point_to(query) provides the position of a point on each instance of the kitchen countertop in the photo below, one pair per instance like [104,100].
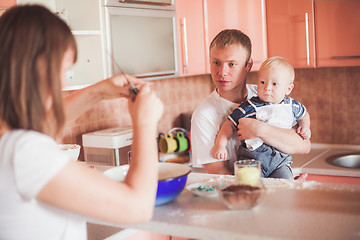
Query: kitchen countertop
[316,161]
[289,210]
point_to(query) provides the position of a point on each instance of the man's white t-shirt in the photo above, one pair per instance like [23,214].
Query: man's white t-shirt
[28,161]
[206,122]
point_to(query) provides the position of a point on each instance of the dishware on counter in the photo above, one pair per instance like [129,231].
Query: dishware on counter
[176,157]
[182,141]
[175,140]
[167,143]
[204,189]
[248,172]
[171,180]
[237,196]
[181,134]
[72,150]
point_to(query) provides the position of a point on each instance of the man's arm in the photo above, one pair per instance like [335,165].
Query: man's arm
[285,140]
[304,126]
[203,133]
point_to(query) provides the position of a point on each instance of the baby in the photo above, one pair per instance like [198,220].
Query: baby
[272,106]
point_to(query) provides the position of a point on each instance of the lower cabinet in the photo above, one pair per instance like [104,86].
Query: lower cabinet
[333,179]
[143,235]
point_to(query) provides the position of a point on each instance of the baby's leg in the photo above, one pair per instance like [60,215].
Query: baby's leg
[284,171]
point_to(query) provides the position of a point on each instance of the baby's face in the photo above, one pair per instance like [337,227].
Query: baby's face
[274,84]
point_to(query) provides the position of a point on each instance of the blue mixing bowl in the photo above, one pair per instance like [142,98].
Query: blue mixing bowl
[172,180]
[169,189]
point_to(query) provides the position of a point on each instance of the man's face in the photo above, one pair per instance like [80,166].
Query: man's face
[227,66]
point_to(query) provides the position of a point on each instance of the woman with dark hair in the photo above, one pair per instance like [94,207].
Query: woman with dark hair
[45,195]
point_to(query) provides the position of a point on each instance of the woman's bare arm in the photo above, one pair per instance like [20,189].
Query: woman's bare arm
[82,100]
[79,189]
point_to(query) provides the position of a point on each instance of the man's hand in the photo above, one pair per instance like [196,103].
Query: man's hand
[249,128]
[305,133]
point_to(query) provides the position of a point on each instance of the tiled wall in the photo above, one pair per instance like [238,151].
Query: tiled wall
[331,95]
[180,95]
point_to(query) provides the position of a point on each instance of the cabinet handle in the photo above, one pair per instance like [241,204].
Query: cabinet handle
[186,64]
[307,39]
[144,2]
[344,57]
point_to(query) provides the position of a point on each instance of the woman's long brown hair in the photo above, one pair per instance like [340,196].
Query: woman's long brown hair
[32,45]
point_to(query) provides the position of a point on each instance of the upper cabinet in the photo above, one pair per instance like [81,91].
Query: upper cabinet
[89,67]
[245,15]
[290,31]
[337,27]
[142,38]
[51,4]
[153,2]
[199,21]
[314,33]
[191,37]
[87,29]
[5,4]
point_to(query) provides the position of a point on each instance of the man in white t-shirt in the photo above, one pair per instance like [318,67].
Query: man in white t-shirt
[230,60]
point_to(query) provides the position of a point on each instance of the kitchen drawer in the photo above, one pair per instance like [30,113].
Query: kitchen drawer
[332,179]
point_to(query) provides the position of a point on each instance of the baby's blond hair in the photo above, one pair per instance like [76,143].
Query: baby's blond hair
[277,61]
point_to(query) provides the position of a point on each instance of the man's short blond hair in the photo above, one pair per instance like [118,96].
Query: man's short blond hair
[230,37]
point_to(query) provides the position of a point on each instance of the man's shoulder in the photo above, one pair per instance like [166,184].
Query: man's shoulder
[208,105]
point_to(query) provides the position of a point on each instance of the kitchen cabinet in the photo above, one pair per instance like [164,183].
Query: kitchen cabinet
[50,4]
[75,15]
[245,15]
[4,4]
[85,25]
[142,40]
[337,28]
[87,29]
[7,3]
[191,37]
[314,33]
[333,179]
[290,31]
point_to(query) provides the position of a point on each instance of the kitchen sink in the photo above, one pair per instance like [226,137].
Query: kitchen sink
[345,160]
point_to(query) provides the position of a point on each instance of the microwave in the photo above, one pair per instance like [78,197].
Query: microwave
[141,38]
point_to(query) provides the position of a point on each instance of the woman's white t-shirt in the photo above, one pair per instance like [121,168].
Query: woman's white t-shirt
[28,161]
[206,122]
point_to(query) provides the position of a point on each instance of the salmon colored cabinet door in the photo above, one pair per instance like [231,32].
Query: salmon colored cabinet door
[290,31]
[245,15]
[4,4]
[337,26]
[191,37]
[333,179]
[7,3]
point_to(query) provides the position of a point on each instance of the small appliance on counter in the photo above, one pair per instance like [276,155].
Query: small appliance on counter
[110,147]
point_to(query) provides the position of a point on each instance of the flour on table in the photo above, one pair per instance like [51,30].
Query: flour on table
[199,219]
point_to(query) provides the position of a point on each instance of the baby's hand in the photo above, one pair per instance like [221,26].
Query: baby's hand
[219,152]
[305,133]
